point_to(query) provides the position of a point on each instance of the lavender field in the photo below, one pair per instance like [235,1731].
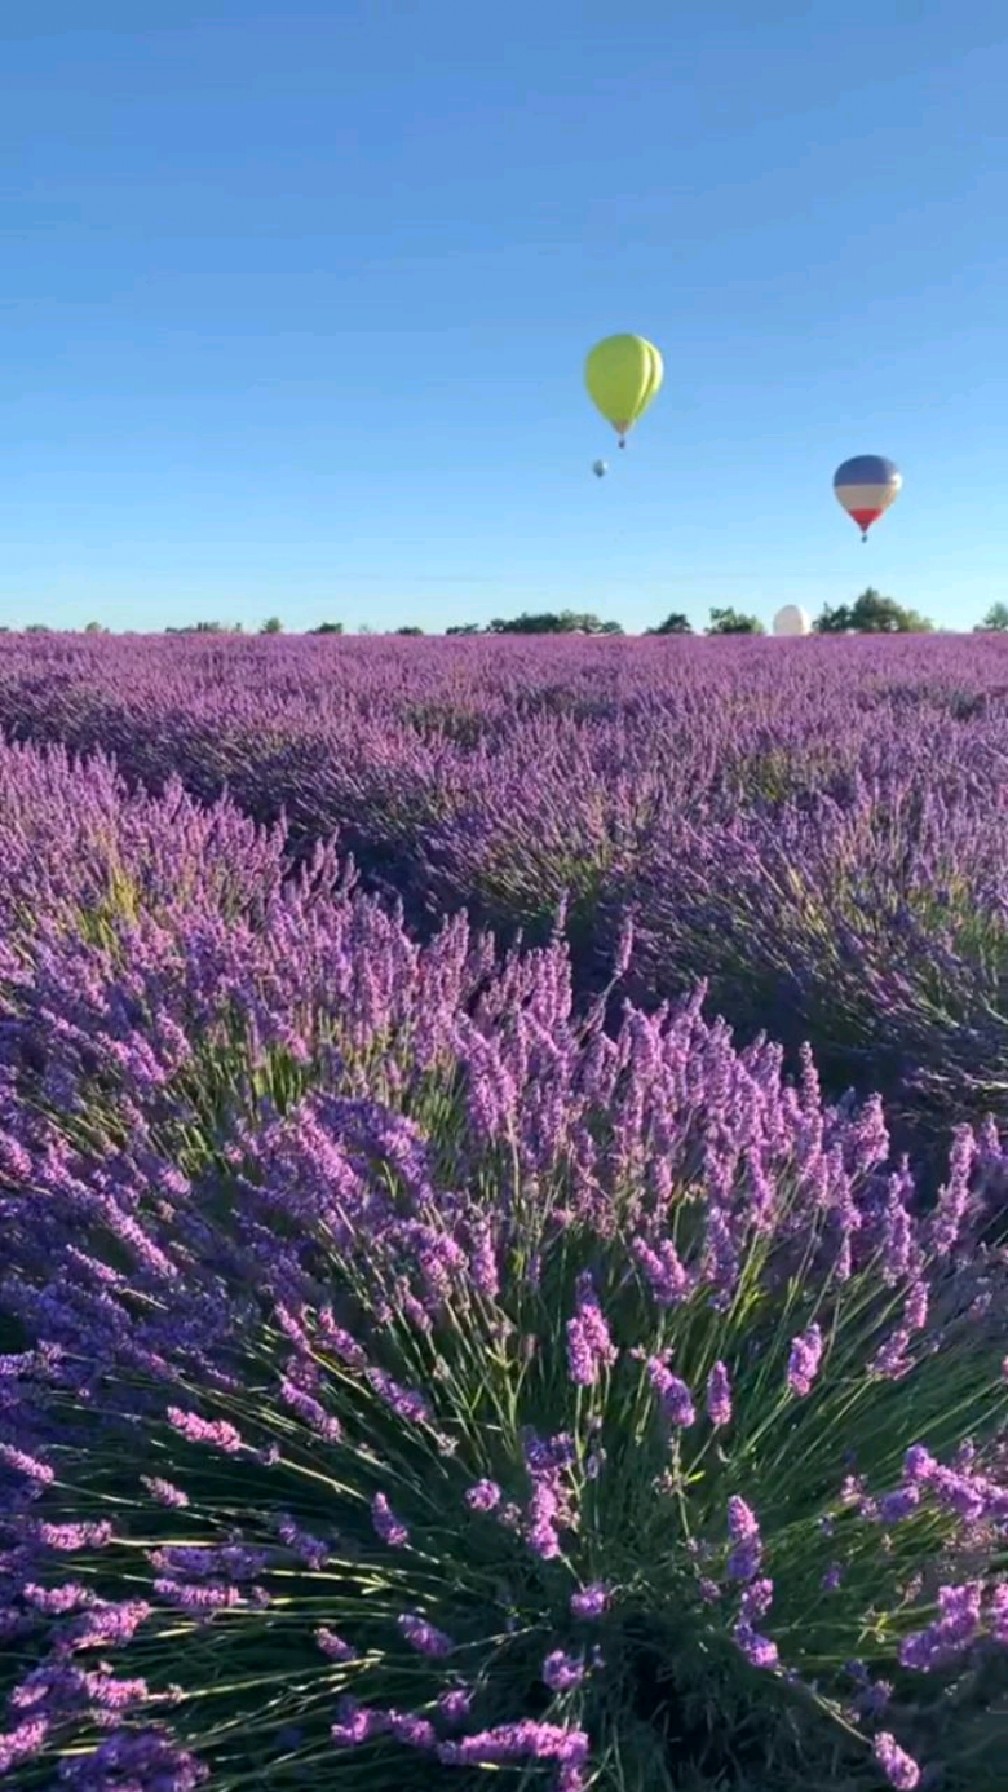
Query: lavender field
[501,1201]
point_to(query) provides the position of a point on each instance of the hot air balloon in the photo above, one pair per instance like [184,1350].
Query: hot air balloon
[599,469]
[792,620]
[866,486]
[623,374]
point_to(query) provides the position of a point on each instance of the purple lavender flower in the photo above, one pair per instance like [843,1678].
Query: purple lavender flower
[455,1704]
[757,1600]
[21,1743]
[745,1559]
[406,1403]
[742,1520]
[900,1769]
[23,1464]
[483,1496]
[670,1282]
[951,1633]
[581,1363]
[903,1503]
[561,1672]
[196,1596]
[592,1601]
[70,1597]
[424,1637]
[674,1398]
[70,1537]
[719,1401]
[590,1349]
[542,1522]
[334,1647]
[758,1650]
[309,1549]
[356,1724]
[386,1524]
[217,1432]
[165,1492]
[918,1464]
[483,1263]
[410,1728]
[803,1365]
[525,1740]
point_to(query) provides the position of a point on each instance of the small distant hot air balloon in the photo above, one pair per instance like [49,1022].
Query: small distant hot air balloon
[599,469]
[623,374]
[792,620]
[866,486]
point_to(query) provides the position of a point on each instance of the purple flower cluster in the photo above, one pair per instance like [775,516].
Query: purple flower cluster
[804,1361]
[590,1349]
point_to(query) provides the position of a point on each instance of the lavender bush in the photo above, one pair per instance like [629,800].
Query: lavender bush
[404,1377]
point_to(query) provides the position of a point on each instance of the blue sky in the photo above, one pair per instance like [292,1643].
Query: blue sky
[295,304]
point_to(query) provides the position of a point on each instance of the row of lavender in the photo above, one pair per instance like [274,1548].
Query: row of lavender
[819,828]
[405,1376]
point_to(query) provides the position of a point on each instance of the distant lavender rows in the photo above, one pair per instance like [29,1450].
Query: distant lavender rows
[818,827]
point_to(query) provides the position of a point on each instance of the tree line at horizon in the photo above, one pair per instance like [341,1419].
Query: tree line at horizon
[870,614]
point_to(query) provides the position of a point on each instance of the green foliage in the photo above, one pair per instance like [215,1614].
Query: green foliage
[995,621]
[464,628]
[272,626]
[733,622]
[206,628]
[410,628]
[549,622]
[676,623]
[327,628]
[871,614]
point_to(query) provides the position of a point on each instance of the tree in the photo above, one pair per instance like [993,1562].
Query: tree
[464,628]
[871,614]
[94,628]
[410,629]
[272,626]
[206,628]
[732,622]
[674,624]
[327,628]
[996,620]
[550,622]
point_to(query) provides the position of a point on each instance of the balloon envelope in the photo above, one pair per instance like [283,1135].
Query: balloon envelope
[623,374]
[866,486]
[599,469]
[792,620]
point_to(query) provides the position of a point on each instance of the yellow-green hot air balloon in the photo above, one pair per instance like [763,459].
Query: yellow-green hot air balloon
[623,374]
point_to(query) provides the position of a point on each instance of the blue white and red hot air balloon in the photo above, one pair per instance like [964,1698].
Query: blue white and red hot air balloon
[866,486]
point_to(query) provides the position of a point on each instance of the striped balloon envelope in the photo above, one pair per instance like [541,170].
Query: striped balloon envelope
[866,486]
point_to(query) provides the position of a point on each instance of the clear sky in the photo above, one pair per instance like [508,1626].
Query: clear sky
[295,303]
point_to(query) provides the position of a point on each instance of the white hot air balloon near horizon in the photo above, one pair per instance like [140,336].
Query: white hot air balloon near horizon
[792,620]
